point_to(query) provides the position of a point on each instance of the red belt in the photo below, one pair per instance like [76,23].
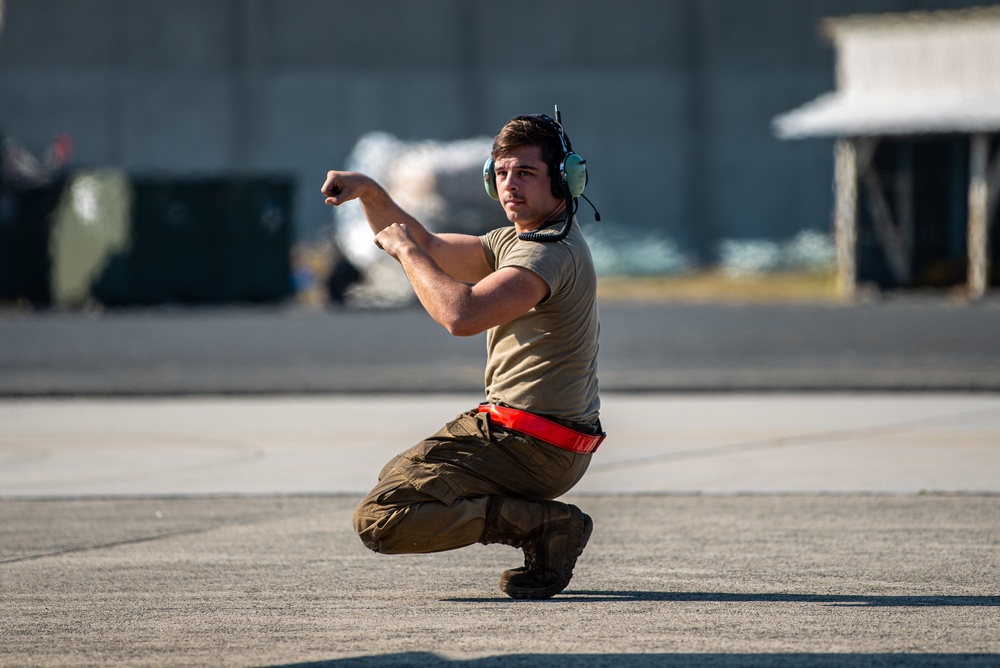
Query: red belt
[538,427]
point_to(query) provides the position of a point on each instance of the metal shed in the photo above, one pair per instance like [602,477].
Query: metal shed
[905,78]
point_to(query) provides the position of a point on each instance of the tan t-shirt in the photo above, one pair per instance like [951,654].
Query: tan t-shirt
[546,360]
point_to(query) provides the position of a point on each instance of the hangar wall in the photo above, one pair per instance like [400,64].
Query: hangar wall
[670,102]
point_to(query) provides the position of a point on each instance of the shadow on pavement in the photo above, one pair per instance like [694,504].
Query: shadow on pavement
[620,660]
[722,597]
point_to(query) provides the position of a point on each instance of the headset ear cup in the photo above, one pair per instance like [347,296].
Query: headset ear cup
[575,174]
[490,178]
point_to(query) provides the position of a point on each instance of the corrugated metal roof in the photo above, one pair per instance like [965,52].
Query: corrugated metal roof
[837,114]
[891,21]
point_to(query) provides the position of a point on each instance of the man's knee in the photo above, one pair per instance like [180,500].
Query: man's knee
[418,528]
[383,527]
[380,511]
[368,524]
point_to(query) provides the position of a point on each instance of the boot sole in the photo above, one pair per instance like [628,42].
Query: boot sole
[586,527]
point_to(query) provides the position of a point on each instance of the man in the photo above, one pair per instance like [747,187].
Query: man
[489,476]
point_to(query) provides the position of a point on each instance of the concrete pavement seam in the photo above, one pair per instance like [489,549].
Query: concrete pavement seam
[897,428]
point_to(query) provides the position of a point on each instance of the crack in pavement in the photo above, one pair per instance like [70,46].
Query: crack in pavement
[120,543]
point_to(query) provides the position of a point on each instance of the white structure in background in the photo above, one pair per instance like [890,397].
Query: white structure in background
[439,183]
[910,74]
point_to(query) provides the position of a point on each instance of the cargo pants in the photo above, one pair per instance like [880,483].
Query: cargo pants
[433,497]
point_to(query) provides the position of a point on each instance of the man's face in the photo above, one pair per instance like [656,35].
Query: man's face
[525,188]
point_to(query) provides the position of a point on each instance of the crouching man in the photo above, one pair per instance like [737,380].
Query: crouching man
[491,474]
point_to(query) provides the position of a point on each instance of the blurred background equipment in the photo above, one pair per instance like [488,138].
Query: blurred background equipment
[211,240]
[89,229]
[98,236]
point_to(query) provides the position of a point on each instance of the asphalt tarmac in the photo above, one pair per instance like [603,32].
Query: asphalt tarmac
[766,521]
[913,344]
[675,580]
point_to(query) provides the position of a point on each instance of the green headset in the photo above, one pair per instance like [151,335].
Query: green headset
[571,177]
[568,182]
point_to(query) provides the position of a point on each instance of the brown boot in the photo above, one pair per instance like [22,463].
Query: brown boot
[552,535]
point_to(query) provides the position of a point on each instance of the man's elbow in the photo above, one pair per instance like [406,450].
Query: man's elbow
[462,328]
[459,317]
[459,323]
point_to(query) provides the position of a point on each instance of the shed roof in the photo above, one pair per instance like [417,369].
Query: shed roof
[910,73]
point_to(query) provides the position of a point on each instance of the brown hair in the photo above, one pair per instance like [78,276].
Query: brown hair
[533,131]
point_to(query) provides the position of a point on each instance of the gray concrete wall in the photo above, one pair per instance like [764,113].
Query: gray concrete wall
[670,102]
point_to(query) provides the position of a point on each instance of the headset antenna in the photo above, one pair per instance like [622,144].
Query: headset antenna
[571,203]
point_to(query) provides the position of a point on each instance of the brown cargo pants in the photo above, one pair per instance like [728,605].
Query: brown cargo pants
[433,497]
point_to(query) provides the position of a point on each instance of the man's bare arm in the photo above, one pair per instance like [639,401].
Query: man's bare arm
[461,256]
[462,309]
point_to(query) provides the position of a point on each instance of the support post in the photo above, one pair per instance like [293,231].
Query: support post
[846,215]
[978,224]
